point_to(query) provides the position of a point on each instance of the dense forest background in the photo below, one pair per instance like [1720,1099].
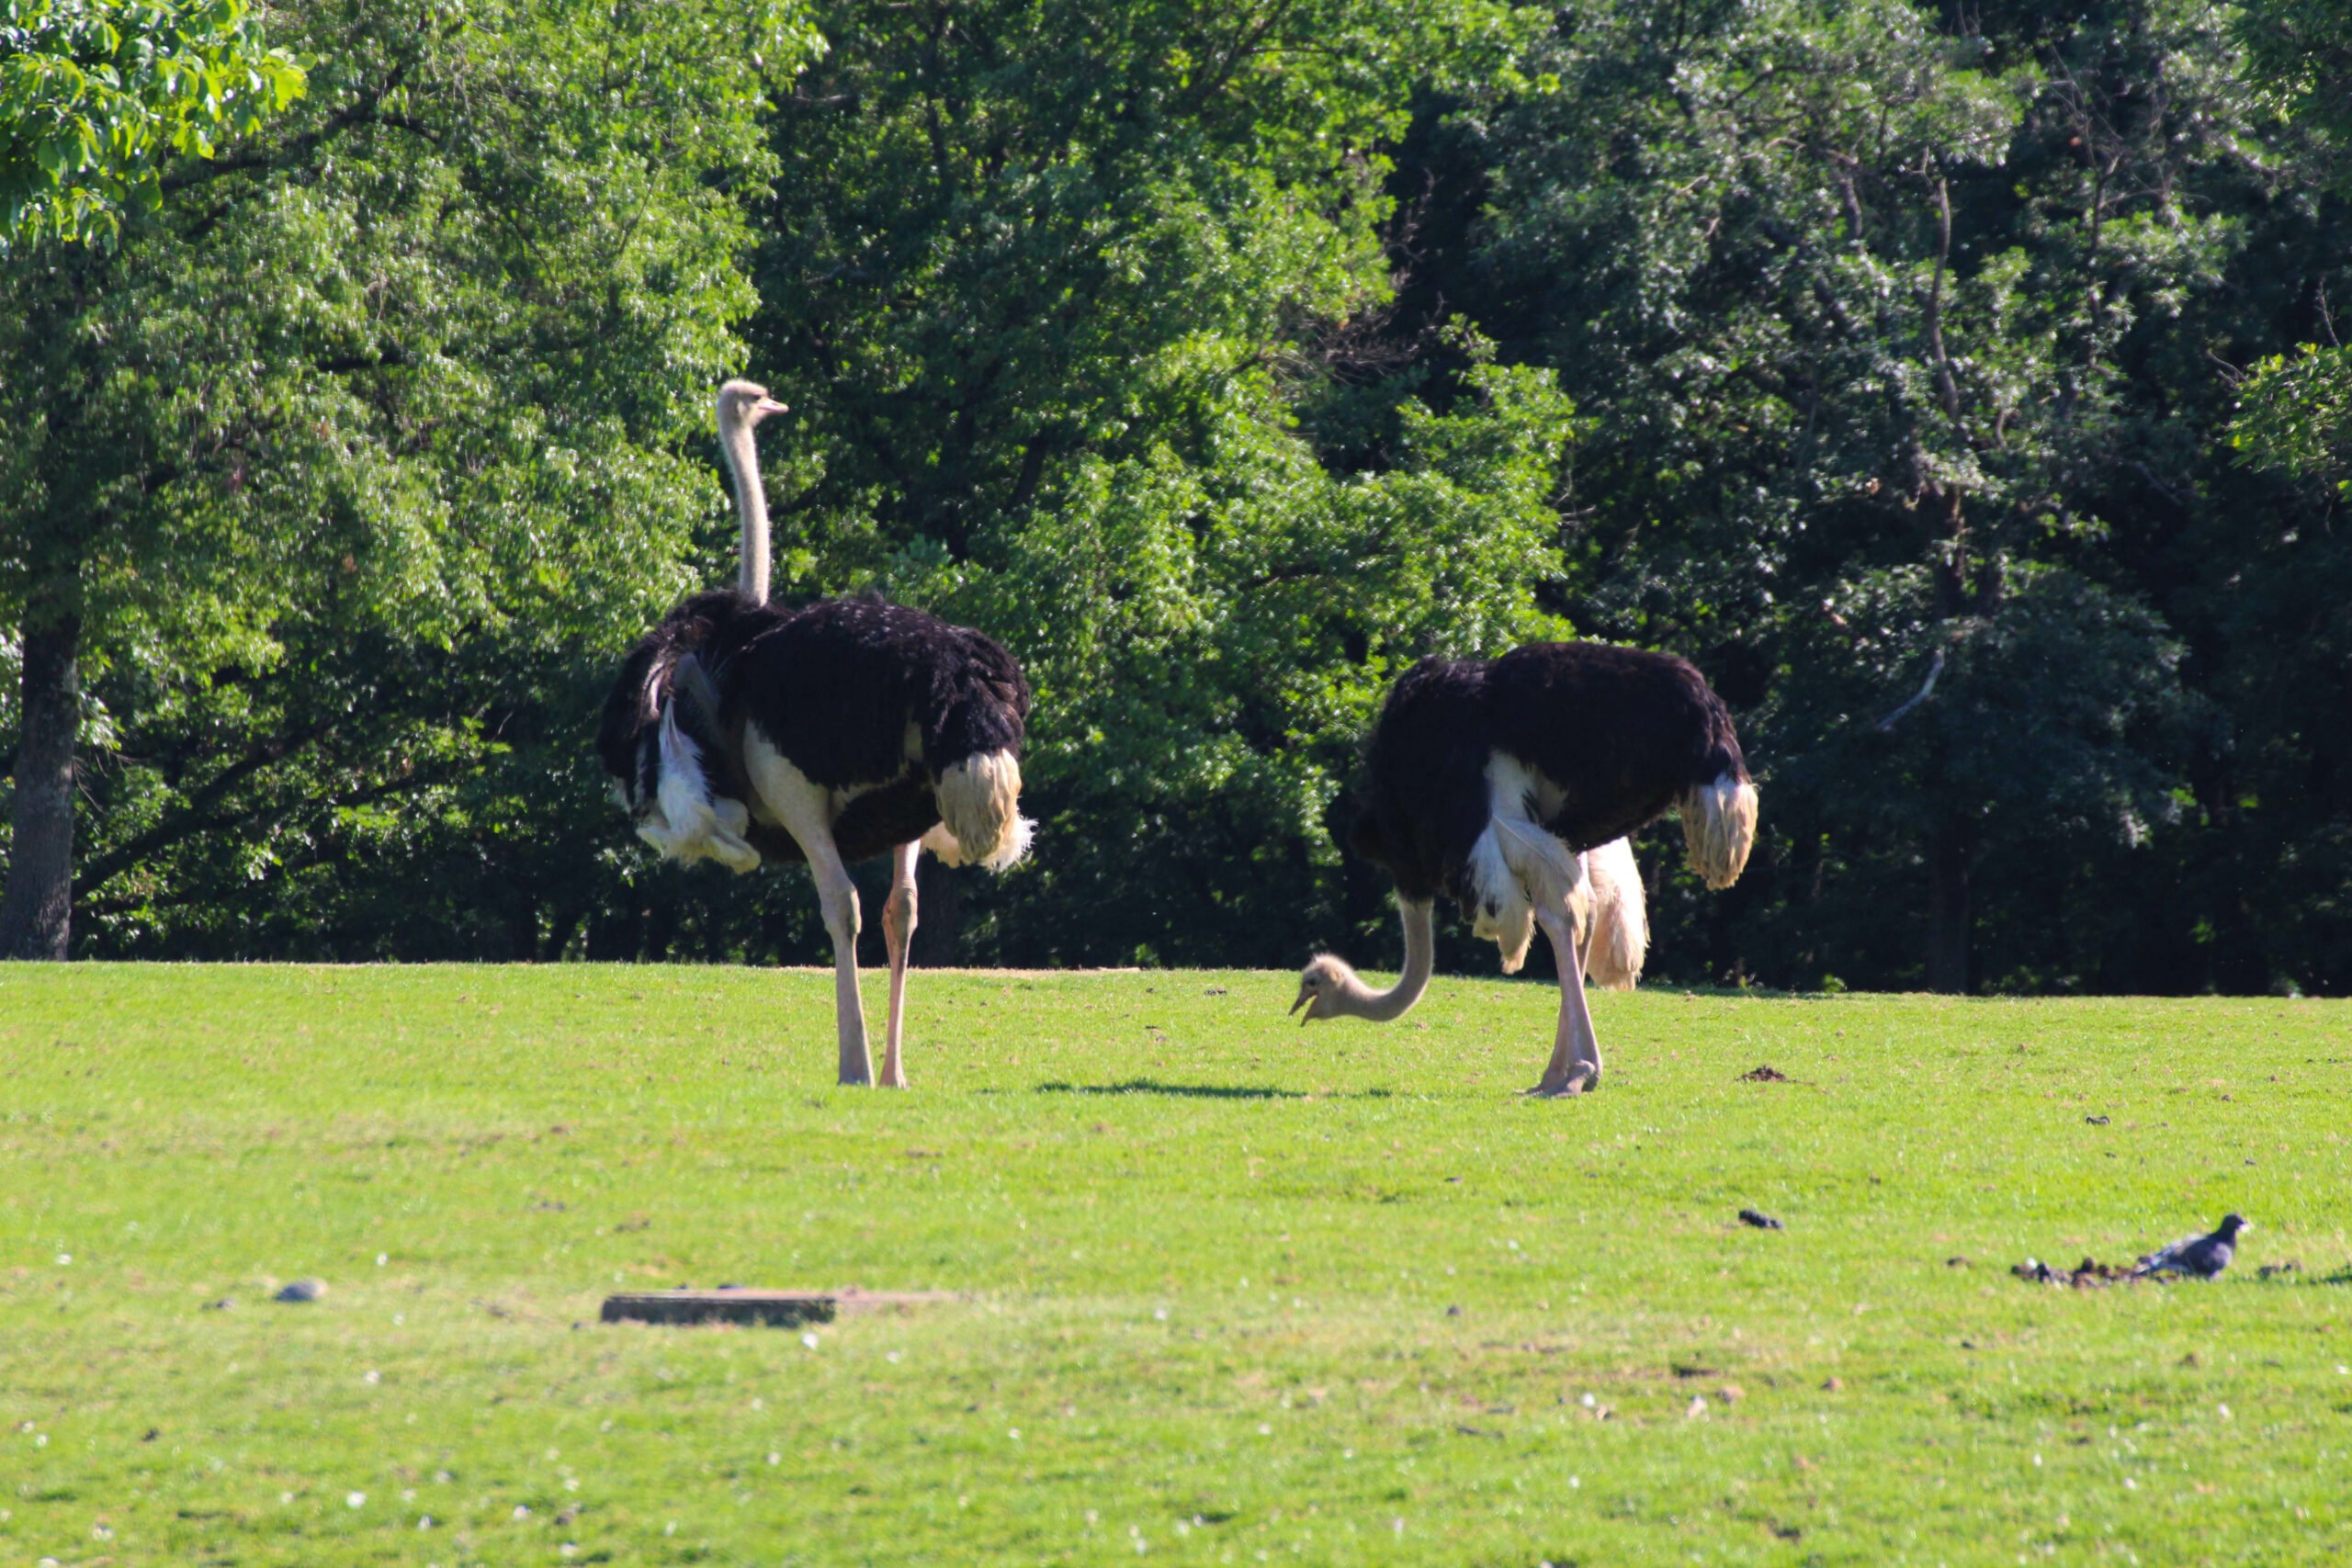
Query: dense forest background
[1959,386]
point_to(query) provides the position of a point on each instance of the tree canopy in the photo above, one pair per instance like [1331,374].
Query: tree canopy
[1960,387]
[95,95]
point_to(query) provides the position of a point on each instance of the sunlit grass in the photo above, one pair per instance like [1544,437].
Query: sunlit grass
[1236,1290]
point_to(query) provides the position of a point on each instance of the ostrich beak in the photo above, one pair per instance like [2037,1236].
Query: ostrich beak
[766,406]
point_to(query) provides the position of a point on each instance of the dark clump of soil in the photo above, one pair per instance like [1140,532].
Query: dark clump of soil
[1764,1074]
[2272,1270]
[2089,1275]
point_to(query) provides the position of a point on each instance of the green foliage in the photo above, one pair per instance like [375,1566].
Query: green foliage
[96,94]
[2297,415]
[1222,361]
[373,437]
[1050,335]
[2297,412]
[2301,54]
[1879,325]
[1225,1286]
[1222,635]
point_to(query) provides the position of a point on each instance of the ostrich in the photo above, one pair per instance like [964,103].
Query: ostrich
[1492,781]
[742,731]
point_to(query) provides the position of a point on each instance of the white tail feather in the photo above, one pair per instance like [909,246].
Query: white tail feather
[1011,852]
[693,825]
[980,821]
[1617,940]
[1719,828]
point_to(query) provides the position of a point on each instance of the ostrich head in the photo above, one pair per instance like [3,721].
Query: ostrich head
[746,404]
[1329,989]
[1321,987]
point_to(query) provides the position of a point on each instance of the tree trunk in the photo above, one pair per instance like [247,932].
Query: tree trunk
[1949,861]
[36,910]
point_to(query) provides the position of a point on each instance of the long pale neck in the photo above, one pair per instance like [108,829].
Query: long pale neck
[751,502]
[1358,1001]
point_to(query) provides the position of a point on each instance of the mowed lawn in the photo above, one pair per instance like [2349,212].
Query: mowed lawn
[1234,1291]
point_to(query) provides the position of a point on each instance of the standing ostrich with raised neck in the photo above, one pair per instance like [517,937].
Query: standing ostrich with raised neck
[740,732]
[1498,783]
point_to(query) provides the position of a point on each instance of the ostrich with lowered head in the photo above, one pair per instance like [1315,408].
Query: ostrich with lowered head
[1497,781]
[742,731]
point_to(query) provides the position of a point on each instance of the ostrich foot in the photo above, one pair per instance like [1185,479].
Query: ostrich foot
[893,1076]
[1583,1080]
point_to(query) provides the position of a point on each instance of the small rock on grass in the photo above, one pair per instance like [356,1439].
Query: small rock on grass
[303,1291]
[2089,1275]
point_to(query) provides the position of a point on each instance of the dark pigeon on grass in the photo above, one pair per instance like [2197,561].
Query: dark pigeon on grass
[2203,1256]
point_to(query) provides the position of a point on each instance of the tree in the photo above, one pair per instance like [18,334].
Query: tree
[1848,294]
[1063,298]
[375,417]
[96,94]
[2297,409]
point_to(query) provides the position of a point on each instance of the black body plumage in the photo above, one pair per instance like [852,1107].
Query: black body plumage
[834,686]
[1624,733]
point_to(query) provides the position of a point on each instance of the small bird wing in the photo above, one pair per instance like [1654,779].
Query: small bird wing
[2169,1257]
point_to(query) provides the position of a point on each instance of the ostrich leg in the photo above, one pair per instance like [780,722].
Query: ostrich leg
[838,897]
[1574,1065]
[802,805]
[897,931]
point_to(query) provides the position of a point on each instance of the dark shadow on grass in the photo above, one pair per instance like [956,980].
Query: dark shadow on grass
[1186,1090]
[2296,1274]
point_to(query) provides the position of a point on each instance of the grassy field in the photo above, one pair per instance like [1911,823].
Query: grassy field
[1237,1292]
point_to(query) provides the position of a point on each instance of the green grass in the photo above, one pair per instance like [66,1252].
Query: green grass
[1213,1262]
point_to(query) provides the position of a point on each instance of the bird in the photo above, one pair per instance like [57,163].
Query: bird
[2203,1256]
[745,731]
[1500,784]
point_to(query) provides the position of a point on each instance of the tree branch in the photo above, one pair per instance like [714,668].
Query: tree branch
[1935,668]
[196,818]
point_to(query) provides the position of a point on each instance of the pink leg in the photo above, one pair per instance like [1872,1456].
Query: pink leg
[1575,1066]
[897,931]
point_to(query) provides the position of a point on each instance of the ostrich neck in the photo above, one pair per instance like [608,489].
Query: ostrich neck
[1358,1001]
[751,502]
